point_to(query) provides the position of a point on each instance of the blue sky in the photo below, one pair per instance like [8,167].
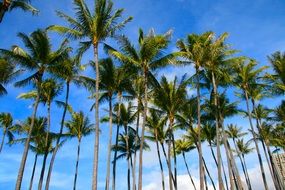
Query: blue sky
[256,28]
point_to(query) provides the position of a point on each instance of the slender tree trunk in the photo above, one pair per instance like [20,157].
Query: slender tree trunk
[143,128]
[3,139]
[246,170]
[225,175]
[171,119]
[183,154]
[97,134]
[215,159]
[76,166]
[201,166]
[4,8]
[42,171]
[160,162]
[221,185]
[110,142]
[58,138]
[129,173]
[167,161]
[208,172]
[133,170]
[46,147]
[33,172]
[170,167]
[278,182]
[27,143]
[255,142]
[242,165]
[136,142]
[117,141]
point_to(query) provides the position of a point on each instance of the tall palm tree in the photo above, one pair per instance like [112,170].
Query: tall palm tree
[146,58]
[10,5]
[92,29]
[192,49]
[8,73]
[246,79]
[169,97]
[39,59]
[69,71]
[183,146]
[6,122]
[79,126]
[127,147]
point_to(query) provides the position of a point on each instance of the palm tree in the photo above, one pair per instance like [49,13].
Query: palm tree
[155,126]
[127,147]
[182,146]
[10,5]
[39,58]
[246,79]
[79,126]
[146,58]
[93,29]
[69,71]
[169,97]
[192,49]
[6,122]
[8,73]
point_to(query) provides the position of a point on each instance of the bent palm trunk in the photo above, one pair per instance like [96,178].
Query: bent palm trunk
[183,154]
[42,171]
[4,8]
[58,138]
[27,144]
[3,138]
[160,164]
[33,172]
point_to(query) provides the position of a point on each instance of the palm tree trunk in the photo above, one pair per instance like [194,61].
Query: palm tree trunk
[246,170]
[160,162]
[201,166]
[225,175]
[4,8]
[208,172]
[110,142]
[76,166]
[170,167]
[167,161]
[117,141]
[215,159]
[27,143]
[255,142]
[136,142]
[133,171]
[242,165]
[58,138]
[143,128]
[33,172]
[183,154]
[174,152]
[46,147]
[221,185]
[97,134]
[129,172]
[43,171]
[3,139]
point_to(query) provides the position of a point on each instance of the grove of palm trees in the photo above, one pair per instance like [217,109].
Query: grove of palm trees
[142,95]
